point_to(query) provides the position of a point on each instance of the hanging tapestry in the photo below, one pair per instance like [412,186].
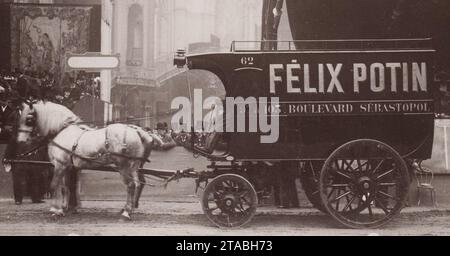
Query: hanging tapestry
[42,35]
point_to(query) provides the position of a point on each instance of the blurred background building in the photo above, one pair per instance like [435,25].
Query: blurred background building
[146,33]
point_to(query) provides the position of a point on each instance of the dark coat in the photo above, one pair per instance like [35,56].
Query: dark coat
[8,118]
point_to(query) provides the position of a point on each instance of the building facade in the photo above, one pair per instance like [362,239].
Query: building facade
[146,33]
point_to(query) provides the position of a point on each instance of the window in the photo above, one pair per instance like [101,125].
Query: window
[135,36]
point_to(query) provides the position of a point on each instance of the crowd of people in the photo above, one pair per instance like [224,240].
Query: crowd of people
[66,90]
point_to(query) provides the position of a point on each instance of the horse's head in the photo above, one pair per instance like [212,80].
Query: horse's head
[27,125]
[45,119]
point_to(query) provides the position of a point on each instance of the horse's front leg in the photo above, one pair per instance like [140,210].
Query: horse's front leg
[66,193]
[139,189]
[57,187]
[74,185]
[131,188]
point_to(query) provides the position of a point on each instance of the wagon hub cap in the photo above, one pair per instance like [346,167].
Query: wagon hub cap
[365,184]
[229,201]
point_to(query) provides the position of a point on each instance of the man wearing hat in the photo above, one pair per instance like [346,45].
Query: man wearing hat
[163,134]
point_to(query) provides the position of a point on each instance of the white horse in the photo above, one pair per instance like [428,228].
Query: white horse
[73,147]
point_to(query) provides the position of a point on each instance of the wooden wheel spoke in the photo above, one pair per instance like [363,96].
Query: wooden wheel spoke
[340,164]
[229,183]
[338,200]
[377,167]
[353,198]
[245,200]
[217,194]
[358,161]
[369,207]
[349,165]
[385,174]
[341,196]
[344,175]
[366,164]
[349,204]
[243,194]
[381,205]
[387,184]
[387,195]
[240,208]
[338,186]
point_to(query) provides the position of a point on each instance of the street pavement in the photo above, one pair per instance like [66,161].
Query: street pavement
[184,217]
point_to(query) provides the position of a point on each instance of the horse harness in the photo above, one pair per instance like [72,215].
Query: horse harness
[107,147]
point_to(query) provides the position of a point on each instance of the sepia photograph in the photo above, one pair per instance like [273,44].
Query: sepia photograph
[224,118]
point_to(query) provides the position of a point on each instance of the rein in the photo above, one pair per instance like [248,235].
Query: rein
[34,150]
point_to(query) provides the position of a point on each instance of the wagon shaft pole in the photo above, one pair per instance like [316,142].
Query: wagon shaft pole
[8,161]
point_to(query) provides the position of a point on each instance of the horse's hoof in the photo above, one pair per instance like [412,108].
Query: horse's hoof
[56,213]
[125,216]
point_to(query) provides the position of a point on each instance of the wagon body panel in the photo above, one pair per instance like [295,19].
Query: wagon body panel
[323,114]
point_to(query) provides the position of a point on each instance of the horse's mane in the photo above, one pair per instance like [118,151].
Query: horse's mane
[52,117]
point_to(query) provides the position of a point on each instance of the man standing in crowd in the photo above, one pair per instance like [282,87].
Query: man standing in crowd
[163,133]
[6,127]
[27,180]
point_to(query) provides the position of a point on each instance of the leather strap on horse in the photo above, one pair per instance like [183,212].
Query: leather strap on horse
[34,150]
[106,138]
[124,144]
[75,146]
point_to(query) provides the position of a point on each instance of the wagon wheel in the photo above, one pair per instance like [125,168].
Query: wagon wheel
[229,201]
[309,178]
[364,184]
